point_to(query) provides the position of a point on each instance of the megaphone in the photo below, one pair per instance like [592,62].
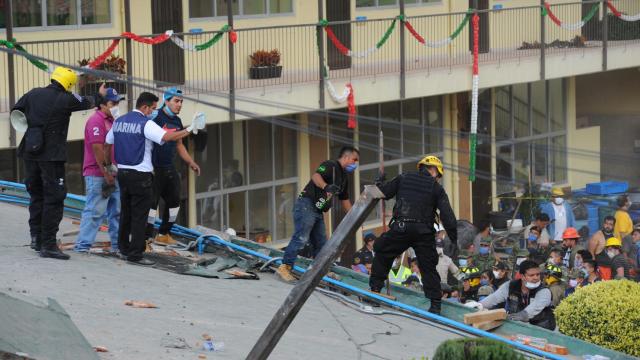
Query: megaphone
[18,121]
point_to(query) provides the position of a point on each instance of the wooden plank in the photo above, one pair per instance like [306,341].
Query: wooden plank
[484,316]
[488,325]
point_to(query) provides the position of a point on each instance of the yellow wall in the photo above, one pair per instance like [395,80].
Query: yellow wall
[604,93]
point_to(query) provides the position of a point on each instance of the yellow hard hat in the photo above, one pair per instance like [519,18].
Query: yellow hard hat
[612,241]
[65,77]
[557,191]
[431,160]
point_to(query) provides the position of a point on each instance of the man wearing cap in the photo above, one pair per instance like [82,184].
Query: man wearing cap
[419,196]
[560,214]
[484,260]
[540,223]
[101,187]
[445,265]
[570,247]
[554,282]
[166,179]
[619,265]
[365,254]
[500,273]
[44,151]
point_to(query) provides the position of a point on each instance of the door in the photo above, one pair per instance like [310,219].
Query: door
[481,188]
[168,59]
[339,10]
[483,46]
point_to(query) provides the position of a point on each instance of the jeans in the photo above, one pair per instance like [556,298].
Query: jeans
[308,226]
[95,210]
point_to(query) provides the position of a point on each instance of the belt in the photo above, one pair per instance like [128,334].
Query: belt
[409,220]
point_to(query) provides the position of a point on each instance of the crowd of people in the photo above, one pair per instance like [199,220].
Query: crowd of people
[530,277]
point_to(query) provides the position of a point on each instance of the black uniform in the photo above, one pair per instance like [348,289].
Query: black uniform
[166,182]
[50,109]
[418,196]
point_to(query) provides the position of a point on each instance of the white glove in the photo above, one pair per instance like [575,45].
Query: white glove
[474,305]
[198,123]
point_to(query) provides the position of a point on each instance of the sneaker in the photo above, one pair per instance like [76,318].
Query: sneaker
[164,240]
[284,271]
[143,262]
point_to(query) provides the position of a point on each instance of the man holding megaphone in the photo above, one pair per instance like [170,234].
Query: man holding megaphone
[46,112]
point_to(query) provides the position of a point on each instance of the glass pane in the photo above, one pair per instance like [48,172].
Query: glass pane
[27,13]
[521,110]
[286,152]
[210,212]
[538,107]
[285,199]
[365,3]
[95,12]
[233,173]
[367,177]
[260,215]
[61,12]
[521,164]
[504,169]
[503,116]
[209,161]
[540,161]
[280,6]
[221,7]
[411,127]
[260,159]
[559,158]
[254,7]
[368,134]
[387,2]
[390,122]
[234,207]
[433,124]
[556,105]
[200,8]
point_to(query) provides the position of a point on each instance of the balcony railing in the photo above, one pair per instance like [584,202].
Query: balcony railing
[509,34]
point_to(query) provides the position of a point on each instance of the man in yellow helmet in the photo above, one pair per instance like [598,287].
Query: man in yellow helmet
[44,151]
[619,264]
[418,196]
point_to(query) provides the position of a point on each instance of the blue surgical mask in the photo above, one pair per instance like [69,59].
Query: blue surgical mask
[351,167]
[153,115]
[481,298]
[168,111]
[462,262]
[532,238]
[483,250]
[484,282]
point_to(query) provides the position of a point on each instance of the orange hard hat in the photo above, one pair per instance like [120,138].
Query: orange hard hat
[570,233]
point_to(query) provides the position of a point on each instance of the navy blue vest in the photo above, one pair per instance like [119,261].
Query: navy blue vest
[129,140]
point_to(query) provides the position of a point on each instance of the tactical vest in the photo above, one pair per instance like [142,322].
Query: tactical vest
[414,199]
[129,140]
[516,303]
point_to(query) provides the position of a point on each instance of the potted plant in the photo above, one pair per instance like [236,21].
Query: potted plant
[90,83]
[264,64]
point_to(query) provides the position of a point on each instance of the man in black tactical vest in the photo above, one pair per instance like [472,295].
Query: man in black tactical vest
[418,195]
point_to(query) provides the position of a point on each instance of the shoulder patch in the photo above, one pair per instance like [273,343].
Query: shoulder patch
[321,169]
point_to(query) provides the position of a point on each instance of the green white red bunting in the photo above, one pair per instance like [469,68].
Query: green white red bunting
[620,15]
[473,139]
[567,26]
[441,42]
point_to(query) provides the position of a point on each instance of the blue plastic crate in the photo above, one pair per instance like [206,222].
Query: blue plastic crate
[607,187]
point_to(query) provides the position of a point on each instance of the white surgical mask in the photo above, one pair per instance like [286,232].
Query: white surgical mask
[611,253]
[573,283]
[496,274]
[115,112]
[531,285]
[439,250]
[558,201]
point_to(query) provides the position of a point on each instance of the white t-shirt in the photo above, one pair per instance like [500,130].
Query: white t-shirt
[561,221]
[153,134]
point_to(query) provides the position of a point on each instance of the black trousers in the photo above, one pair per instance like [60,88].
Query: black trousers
[45,182]
[166,185]
[136,196]
[395,241]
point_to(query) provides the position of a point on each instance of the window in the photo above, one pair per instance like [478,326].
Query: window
[212,8]
[43,13]
[374,3]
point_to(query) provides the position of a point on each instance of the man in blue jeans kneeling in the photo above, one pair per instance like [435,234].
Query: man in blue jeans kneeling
[103,193]
[329,180]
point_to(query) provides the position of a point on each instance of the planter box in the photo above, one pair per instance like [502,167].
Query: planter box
[92,87]
[265,72]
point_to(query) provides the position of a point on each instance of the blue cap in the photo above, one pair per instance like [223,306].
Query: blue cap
[171,92]
[112,95]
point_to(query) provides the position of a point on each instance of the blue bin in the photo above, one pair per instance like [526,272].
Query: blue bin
[607,187]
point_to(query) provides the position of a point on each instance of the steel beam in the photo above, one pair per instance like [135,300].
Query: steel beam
[311,278]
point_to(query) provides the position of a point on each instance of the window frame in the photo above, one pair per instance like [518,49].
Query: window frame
[240,10]
[78,25]
[387,7]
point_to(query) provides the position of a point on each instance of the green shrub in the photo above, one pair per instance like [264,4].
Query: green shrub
[606,313]
[475,349]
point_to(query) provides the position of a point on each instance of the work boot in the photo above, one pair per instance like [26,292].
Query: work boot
[284,271]
[34,243]
[143,262]
[164,240]
[436,305]
[53,253]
